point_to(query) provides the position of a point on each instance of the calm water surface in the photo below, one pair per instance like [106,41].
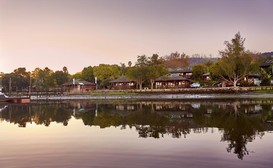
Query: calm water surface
[222,133]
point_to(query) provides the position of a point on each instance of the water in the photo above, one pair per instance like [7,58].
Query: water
[222,133]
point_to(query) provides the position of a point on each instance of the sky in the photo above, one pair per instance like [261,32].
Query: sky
[81,33]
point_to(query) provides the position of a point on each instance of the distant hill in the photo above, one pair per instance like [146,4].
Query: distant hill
[201,60]
[268,54]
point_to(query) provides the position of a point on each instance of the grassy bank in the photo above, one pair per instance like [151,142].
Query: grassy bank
[263,91]
[212,90]
[203,90]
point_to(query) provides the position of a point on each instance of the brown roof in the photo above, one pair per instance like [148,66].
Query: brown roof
[180,70]
[122,79]
[267,63]
[171,78]
[206,74]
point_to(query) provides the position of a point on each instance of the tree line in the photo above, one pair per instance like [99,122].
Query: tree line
[235,63]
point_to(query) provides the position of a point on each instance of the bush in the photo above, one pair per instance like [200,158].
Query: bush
[265,82]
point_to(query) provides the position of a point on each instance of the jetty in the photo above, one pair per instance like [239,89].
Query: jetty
[15,99]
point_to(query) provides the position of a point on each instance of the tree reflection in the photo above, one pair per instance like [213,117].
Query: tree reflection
[239,121]
[238,128]
[18,115]
[39,114]
[148,123]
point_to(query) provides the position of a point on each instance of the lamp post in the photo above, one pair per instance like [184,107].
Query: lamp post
[74,82]
[96,81]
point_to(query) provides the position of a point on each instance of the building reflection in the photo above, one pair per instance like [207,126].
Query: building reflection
[238,121]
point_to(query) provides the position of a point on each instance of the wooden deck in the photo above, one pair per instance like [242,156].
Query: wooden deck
[15,99]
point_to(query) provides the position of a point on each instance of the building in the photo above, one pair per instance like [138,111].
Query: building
[78,86]
[184,72]
[171,82]
[266,64]
[253,79]
[177,78]
[206,77]
[123,83]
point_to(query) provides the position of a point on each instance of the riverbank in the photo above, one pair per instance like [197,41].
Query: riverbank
[155,96]
[201,90]
[181,93]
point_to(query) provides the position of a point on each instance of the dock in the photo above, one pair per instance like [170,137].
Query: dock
[15,99]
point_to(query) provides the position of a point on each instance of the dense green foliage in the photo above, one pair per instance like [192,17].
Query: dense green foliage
[198,70]
[105,73]
[176,60]
[147,69]
[236,62]
[39,80]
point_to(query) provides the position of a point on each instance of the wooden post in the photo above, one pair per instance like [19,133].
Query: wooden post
[29,89]
[9,86]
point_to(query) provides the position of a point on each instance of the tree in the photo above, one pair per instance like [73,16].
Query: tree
[21,71]
[147,68]
[65,70]
[137,73]
[43,79]
[198,70]
[18,82]
[155,68]
[142,60]
[19,78]
[155,71]
[60,77]
[236,63]
[77,75]
[88,74]
[122,69]
[265,77]
[155,60]
[176,60]
[105,73]
[129,64]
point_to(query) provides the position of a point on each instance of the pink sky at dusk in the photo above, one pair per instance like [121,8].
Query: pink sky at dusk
[80,33]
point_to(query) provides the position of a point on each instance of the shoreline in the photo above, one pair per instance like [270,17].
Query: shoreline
[166,96]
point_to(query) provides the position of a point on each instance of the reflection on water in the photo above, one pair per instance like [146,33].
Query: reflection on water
[238,122]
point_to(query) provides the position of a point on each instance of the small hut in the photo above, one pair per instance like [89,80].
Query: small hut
[168,82]
[79,85]
[184,72]
[123,83]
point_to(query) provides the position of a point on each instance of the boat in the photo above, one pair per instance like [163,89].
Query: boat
[2,95]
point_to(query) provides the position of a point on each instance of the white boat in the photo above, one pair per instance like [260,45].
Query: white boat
[2,95]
